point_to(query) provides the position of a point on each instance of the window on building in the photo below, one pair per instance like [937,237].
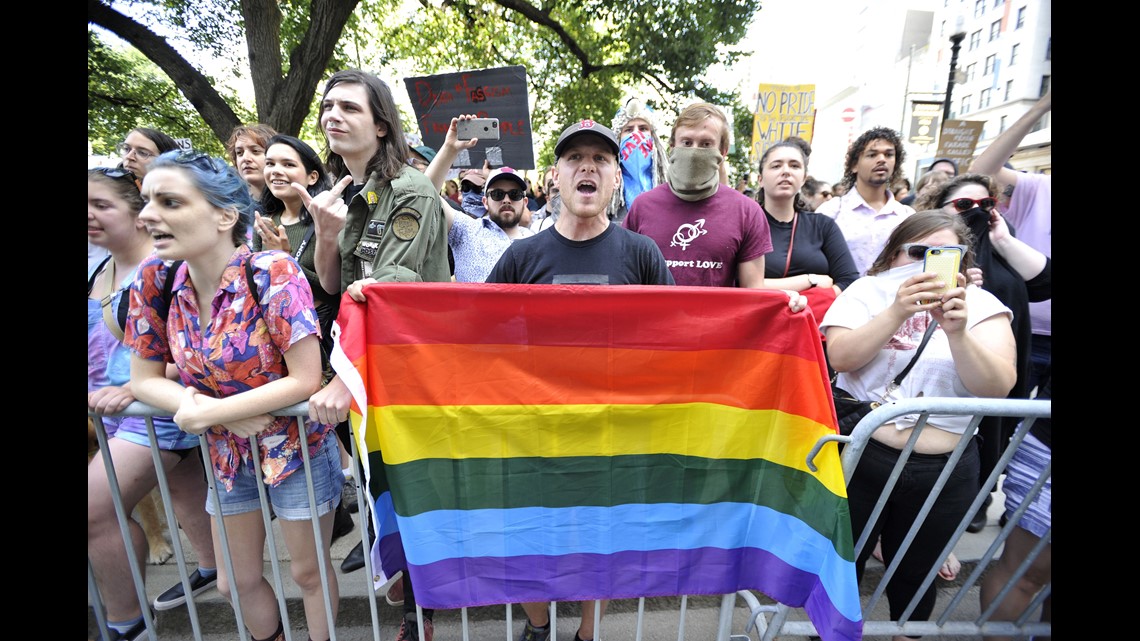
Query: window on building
[984,98]
[975,39]
[1008,89]
[1049,48]
[942,29]
[1044,85]
[989,64]
[965,108]
[1013,54]
[1020,18]
[998,3]
[995,30]
[970,69]
[979,8]
[1002,126]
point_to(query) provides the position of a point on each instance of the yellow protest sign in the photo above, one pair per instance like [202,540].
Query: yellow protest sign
[782,111]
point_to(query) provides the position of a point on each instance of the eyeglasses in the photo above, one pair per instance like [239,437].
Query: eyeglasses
[468,187]
[916,251]
[498,194]
[966,204]
[123,149]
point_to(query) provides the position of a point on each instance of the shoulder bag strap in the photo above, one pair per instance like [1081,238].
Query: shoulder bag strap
[108,316]
[925,338]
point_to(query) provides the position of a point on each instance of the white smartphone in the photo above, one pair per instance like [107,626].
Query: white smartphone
[481,128]
[943,261]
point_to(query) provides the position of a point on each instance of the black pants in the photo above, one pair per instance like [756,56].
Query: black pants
[900,512]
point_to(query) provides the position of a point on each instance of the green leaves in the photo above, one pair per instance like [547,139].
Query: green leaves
[582,56]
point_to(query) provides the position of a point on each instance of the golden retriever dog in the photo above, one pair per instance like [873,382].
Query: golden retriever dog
[151,510]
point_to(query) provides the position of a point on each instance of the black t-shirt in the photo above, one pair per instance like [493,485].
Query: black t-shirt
[615,257]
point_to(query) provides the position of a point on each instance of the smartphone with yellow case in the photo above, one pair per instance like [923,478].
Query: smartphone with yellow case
[944,261]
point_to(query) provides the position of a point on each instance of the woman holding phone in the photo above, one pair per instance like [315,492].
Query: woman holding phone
[873,330]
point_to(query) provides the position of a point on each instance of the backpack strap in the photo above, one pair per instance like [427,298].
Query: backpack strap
[107,301]
[250,283]
[168,286]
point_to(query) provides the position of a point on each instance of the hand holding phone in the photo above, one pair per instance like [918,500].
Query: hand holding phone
[481,128]
[943,260]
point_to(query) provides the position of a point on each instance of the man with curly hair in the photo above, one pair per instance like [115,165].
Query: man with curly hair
[868,211]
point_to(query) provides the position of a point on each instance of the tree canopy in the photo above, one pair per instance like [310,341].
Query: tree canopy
[582,56]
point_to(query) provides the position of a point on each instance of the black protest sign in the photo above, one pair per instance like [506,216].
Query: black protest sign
[488,93]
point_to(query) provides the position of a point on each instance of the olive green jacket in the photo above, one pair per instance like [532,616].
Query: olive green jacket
[395,232]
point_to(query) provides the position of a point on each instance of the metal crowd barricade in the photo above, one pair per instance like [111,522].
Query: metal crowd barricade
[148,412]
[947,620]
[766,620]
[728,602]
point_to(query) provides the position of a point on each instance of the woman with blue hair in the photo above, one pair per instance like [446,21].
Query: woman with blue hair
[242,330]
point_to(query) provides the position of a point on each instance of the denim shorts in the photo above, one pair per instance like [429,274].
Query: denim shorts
[133,429]
[290,499]
[1021,473]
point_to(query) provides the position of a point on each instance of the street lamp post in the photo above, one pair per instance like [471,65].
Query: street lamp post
[955,45]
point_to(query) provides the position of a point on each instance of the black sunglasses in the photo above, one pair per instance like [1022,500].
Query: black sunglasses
[966,204]
[498,194]
[917,251]
[469,187]
[198,159]
[117,173]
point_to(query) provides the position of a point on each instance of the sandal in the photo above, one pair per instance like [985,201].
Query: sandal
[950,568]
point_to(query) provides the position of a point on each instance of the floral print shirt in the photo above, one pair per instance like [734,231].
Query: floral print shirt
[242,347]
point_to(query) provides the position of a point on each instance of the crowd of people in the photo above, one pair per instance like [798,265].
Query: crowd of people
[219,281]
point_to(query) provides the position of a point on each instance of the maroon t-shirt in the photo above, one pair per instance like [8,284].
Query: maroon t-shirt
[702,241]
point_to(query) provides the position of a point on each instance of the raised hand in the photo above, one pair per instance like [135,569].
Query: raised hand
[327,208]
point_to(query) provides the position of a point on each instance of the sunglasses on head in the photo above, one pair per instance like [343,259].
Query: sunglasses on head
[469,187]
[198,159]
[917,251]
[115,172]
[498,194]
[966,204]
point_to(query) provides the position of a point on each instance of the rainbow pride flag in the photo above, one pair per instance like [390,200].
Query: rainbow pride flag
[547,442]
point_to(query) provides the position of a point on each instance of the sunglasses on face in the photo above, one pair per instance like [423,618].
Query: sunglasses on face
[469,187]
[498,194]
[966,204]
[916,251]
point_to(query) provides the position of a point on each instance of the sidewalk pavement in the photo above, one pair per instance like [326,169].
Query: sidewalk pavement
[662,615]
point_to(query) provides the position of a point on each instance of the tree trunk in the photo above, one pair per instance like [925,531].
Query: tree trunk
[282,102]
[195,86]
